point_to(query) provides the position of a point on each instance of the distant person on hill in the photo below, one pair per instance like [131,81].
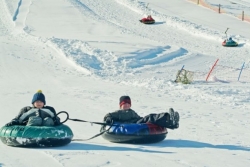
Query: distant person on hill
[36,115]
[149,17]
[230,39]
[126,115]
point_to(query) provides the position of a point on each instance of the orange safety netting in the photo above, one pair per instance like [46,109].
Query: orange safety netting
[244,17]
[219,9]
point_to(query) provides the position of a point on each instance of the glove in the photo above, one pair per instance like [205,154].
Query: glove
[12,123]
[57,121]
[109,120]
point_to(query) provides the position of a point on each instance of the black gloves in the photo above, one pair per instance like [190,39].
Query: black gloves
[109,120]
[12,123]
[57,121]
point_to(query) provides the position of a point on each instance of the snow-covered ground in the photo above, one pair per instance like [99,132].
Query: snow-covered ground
[85,54]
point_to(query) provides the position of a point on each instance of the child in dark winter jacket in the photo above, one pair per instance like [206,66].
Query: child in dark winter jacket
[37,115]
[127,115]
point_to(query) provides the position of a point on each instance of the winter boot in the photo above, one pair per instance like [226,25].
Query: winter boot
[174,118]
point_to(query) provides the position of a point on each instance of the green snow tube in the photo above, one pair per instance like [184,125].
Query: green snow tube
[229,43]
[36,136]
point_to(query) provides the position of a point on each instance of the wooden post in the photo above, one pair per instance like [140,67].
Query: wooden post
[198,2]
[242,15]
[219,8]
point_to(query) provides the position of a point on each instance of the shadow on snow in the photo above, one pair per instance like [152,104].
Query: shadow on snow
[196,144]
[165,143]
[92,147]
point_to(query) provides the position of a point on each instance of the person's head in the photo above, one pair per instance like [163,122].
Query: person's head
[125,102]
[230,38]
[38,99]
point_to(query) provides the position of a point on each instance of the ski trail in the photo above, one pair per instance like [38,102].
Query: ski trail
[17,11]
[154,56]
[21,14]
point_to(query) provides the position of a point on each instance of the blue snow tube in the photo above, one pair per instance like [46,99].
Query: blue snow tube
[36,136]
[134,133]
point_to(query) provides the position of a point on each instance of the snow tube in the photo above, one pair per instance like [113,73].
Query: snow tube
[230,43]
[134,133]
[36,136]
[147,21]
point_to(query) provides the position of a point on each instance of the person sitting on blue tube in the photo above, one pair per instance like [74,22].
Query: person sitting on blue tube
[126,115]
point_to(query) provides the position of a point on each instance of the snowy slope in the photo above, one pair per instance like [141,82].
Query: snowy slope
[85,54]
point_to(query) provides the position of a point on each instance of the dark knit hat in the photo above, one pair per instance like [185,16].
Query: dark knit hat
[38,96]
[124,100]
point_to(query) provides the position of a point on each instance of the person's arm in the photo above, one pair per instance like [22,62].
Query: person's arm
[110,117]
[51,109]
[15,121]
[22,111]
[136,117]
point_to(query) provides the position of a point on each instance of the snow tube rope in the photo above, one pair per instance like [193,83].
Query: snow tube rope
[79,120]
